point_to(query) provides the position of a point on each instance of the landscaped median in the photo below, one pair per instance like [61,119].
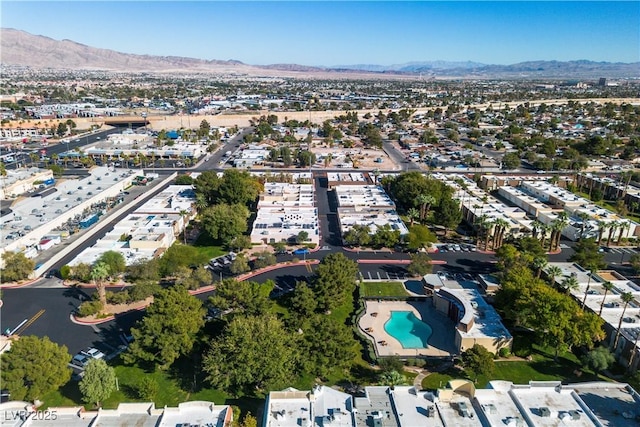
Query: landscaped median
[144,304]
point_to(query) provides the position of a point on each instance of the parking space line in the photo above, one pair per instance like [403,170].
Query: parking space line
[379,278]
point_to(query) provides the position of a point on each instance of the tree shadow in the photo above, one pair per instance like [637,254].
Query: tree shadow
[394,269]
[363,374]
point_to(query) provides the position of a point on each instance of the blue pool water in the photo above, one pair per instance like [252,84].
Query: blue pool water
[410,331]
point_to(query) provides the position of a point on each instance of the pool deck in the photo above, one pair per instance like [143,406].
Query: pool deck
[440,344]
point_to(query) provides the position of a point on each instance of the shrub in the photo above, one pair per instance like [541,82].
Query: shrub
[143,290]
[504,352]
[147,389]
[118,297]
[89,308]
[65,272]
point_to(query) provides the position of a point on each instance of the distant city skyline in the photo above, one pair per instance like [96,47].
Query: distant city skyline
[343,33]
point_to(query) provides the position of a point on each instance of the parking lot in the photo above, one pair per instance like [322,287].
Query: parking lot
[455,247]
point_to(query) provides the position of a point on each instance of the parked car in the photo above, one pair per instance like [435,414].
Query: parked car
[93,353]
[80,360]
[301,251]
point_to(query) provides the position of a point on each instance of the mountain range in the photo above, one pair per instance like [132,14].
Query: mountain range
[19,48]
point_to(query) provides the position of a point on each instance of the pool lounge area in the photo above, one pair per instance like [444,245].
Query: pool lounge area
[408,329]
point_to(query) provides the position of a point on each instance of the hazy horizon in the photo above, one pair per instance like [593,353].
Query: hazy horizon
[343,33]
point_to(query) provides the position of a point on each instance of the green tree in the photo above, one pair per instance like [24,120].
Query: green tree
[147,388]
[303,302]
[144,270]
[587,255]
[184,179]
[250,298]
[306,158]
[386,237]
[16,266]
[334,280]
[264,259]
[237,187]
[34,367]
[239,265]
[420,264]
[511,161]
[420,236]
[178,256]
[196,278]
[478,360]
[98,382]
[358,235]
[239,243]
[253,355]
[599,359]
[168,330]
[328,344]
[114,261]
[225,222]
[449,214]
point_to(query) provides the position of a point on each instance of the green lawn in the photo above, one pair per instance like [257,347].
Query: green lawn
[541,367]
[387,289]
[207,247]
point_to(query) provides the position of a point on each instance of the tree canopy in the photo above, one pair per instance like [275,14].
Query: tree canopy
[478,360]
[254,354]
[334,280]
[98,382]
[33,367]
[225,222]
[234,187]
[169,328]
[16,266]
[251,298]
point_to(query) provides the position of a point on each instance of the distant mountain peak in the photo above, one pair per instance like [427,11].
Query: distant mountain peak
[24,49]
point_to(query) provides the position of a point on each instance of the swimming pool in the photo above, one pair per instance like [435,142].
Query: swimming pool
[410,331]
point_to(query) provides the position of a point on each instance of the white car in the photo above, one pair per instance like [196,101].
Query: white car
[80,360]
[94,353]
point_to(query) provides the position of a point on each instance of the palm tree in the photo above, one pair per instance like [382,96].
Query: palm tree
[489,225]
[535,226]
[201,202]
[570,284]
[607,287]
[376,174]
[501,226]
[99,274]
[557,226]
[613,226]
[583,222]
[413,214]
[634,206]
[586,291]
[327,160]
[481,223]
[539,263]
[425,200]
[602,226]
[544,228]
[626,297]
[624,225]
[553,272]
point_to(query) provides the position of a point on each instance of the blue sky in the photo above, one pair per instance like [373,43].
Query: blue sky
[340,33]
